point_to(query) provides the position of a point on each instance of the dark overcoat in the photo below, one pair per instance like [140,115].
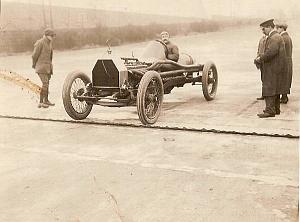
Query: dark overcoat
[261,45]
[260,51]
[288,50]
[273,65]
[42,56]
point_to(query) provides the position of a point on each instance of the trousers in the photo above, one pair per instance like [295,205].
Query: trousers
[45,78]
[272,104]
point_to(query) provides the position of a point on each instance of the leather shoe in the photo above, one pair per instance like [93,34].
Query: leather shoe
[265,115]
[42,105]
[276,112]
[284,101]
[260,98]
[49,103]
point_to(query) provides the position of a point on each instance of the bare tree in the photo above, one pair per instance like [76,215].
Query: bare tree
[0,14]
[68,17]
[50,12]
[44,14]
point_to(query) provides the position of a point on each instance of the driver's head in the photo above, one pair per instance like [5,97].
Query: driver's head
[165,36]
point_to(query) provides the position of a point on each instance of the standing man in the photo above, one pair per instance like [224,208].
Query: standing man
[273,62]
[172,49]
[260,51]
[281,28]
[42,63]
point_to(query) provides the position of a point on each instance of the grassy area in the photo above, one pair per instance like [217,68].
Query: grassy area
[22,41]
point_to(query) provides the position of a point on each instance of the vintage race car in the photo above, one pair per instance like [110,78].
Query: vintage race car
[141,82]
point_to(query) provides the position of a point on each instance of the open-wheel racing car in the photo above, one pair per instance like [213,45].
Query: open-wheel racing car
[118,82]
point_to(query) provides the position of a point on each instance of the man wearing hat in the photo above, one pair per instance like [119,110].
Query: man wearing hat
[281,27]
[42,63]
[273,63]
[172,49]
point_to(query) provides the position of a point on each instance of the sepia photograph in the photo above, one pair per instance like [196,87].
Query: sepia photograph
[149,111]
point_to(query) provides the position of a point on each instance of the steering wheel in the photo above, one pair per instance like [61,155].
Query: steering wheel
[164,45]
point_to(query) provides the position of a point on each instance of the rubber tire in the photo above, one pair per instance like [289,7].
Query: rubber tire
[66,95]
[207,66]
[148,76]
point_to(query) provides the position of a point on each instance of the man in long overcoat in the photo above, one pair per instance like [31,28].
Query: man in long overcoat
[281,27]
[42,63]
[273,62]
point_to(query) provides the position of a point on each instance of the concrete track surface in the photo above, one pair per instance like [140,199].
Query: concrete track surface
[61,171]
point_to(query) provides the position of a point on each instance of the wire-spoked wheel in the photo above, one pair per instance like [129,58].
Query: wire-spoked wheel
[74,86]
[209,81]
[150,97]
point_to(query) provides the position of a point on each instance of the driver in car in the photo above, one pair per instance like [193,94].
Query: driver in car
[172,49]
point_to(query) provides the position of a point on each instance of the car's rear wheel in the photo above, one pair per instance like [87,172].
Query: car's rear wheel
[209,81]
[75,85]
[150,97]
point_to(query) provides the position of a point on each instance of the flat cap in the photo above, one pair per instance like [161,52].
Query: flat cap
[268,23]
[164,32]
[49,32]
[281,24]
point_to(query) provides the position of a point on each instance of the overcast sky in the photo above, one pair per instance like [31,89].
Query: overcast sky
[192,8]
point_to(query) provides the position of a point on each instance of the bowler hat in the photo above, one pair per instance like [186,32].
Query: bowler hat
[49,32]
[268,23]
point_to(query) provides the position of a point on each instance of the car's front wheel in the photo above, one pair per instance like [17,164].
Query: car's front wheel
[74,86]
[150,97]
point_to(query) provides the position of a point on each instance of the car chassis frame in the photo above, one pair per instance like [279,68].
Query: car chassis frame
[125,81]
